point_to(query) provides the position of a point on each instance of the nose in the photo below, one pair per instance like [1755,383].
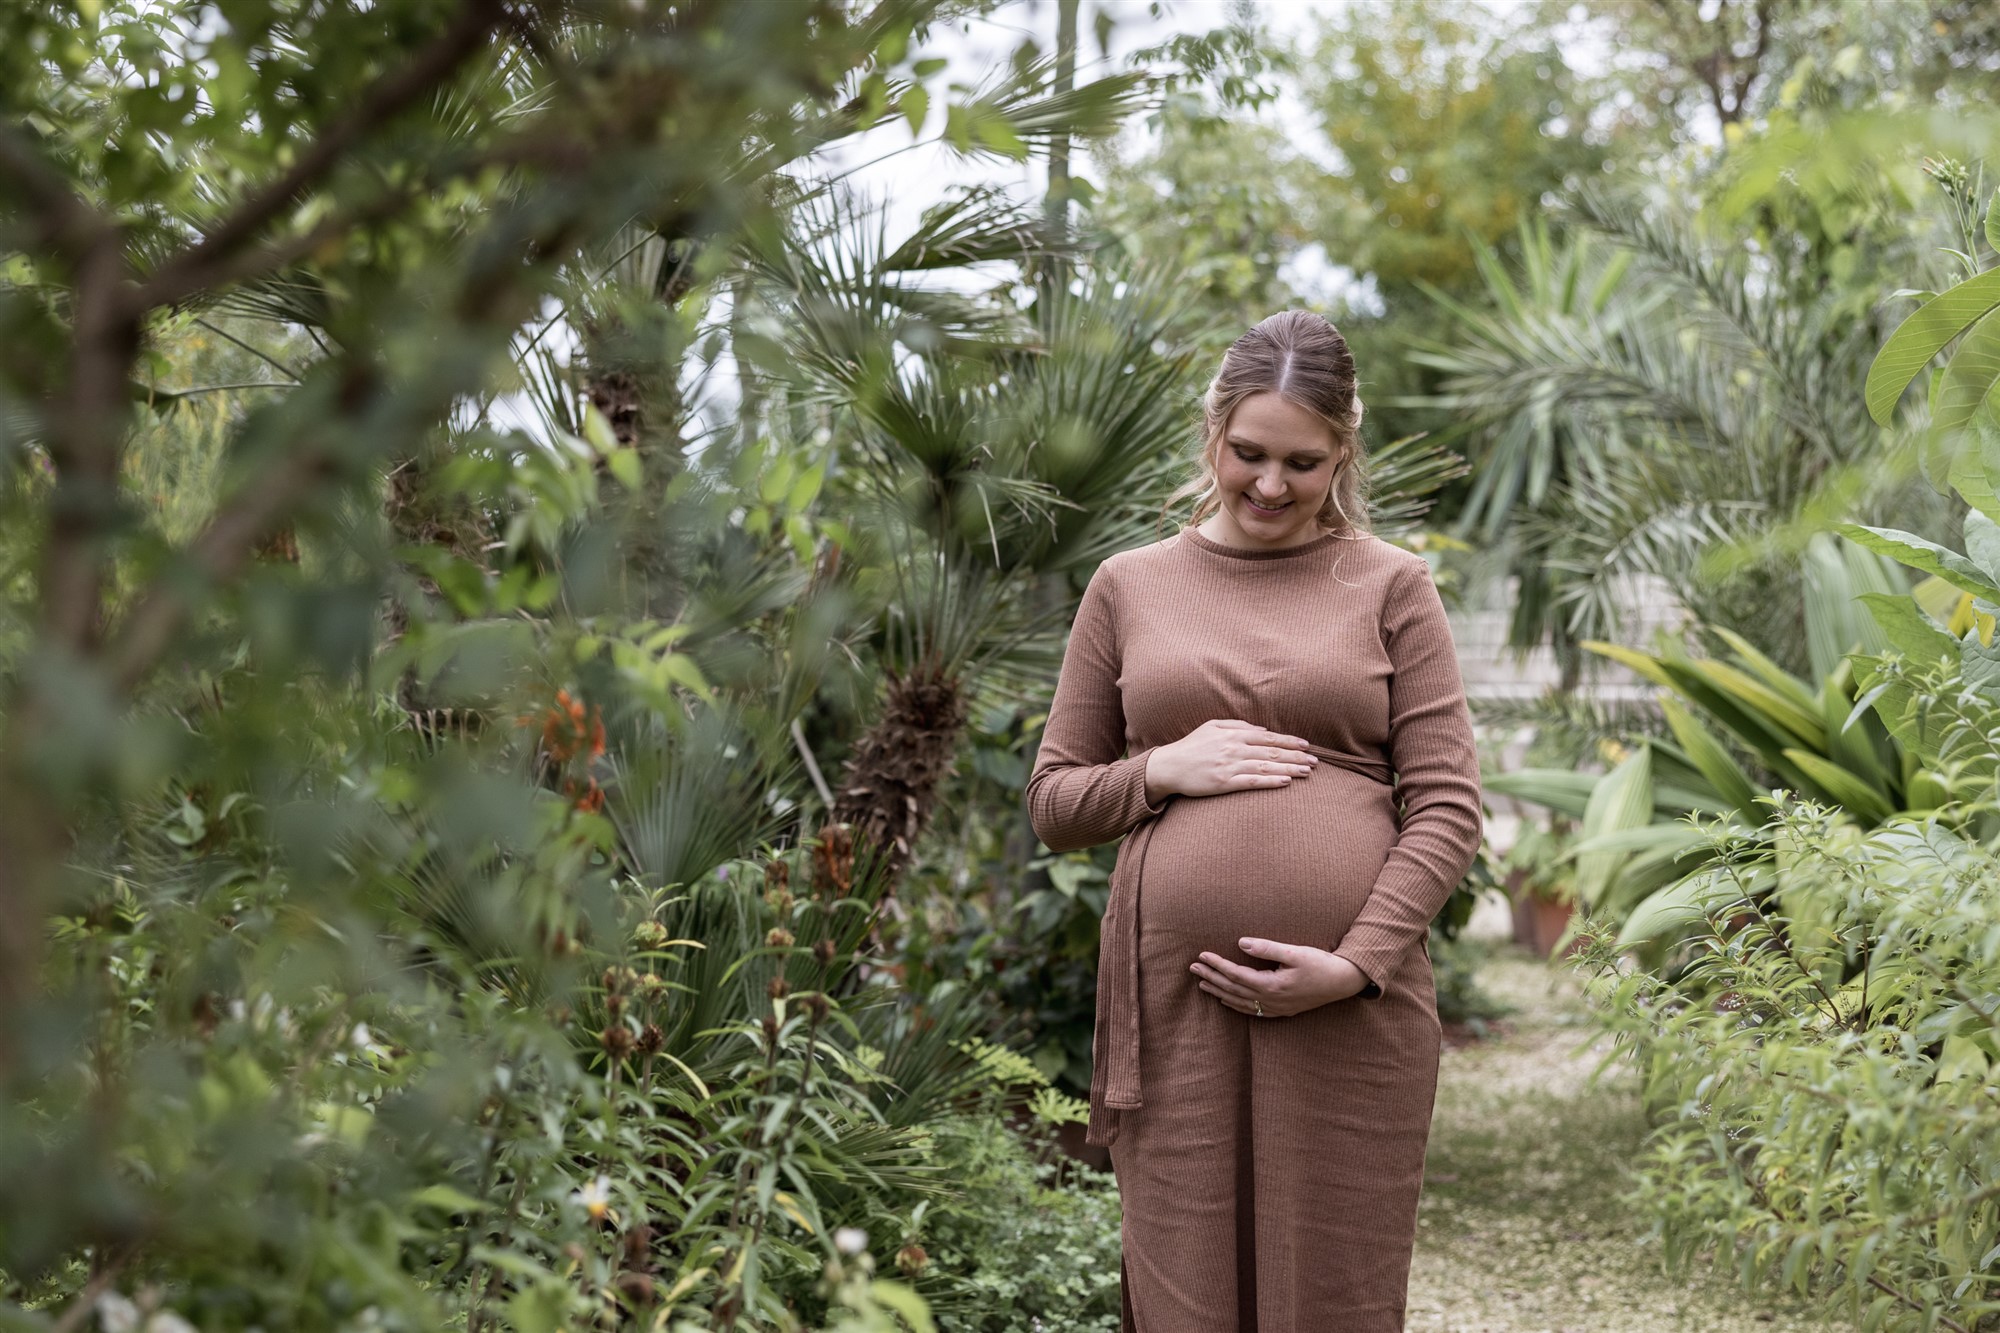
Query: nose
[1270,484]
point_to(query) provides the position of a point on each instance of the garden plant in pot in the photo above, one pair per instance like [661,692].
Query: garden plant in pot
[1541,883]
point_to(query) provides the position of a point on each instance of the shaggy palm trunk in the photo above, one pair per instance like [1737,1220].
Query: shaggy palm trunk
[896,768]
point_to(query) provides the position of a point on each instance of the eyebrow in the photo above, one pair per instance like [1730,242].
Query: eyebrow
[1296,453]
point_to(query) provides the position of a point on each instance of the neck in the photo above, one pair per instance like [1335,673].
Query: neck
[1220,527]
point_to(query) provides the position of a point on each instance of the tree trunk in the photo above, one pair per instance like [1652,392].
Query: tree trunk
[896,768]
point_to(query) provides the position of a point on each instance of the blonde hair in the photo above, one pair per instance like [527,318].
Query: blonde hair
[1302,357]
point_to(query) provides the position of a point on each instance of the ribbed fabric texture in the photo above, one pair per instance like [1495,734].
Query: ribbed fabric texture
[1269,1168]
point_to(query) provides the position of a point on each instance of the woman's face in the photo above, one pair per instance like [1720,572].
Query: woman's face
[1272,471]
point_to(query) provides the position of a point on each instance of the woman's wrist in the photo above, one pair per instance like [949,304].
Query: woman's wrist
[1155,792]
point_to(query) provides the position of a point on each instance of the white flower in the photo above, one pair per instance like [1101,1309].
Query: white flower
[850,1240]
[116,1314]
[595,1198]
[361,1036]
[166,1321]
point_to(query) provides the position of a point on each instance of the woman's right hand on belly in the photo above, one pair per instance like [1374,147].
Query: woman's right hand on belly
[1225,754]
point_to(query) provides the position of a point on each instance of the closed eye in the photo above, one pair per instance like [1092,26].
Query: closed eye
[1298,466]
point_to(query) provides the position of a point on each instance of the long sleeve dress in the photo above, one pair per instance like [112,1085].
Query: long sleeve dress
[1269,1167]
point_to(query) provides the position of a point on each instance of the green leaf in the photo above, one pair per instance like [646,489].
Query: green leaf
[1644,663]
[806,489]
[1968,386]
[905,1302]
[1712,758]
[1993,222]
[1622,800]
[597,430]
[1920,553]
[1756,697]
[1676,907]
[1560,789]
[916,104]
[447,1198]
[1773,675]
[625,466]
[1922,336]
[1843,786]
[1982,544]
[1910,631]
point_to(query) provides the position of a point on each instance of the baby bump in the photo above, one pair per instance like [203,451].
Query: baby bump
[1292,863]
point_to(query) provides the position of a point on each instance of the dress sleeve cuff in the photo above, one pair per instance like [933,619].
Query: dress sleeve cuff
[1375,965]
[1138,763]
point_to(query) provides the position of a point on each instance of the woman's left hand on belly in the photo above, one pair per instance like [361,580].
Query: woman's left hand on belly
[1305,978]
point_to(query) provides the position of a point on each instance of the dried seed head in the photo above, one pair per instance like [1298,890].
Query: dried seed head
[651,1040]
[816,1004]
[616,1040]
[779,938]
[911,1259]
[824,952]
[833,860]
[638,1245]
[779,988]
[649,935]
[771,1028]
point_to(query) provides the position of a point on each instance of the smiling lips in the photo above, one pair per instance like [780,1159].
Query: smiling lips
[1263,509]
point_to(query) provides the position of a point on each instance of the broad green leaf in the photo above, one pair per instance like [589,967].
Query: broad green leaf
[1911,632]
[1713,760]
[1853,748]
[1560,789]
[1844,786]
[1922,336]
[1773,675]
[1644,663]
[1803,722]
[1676,907]
[1982,544]
[1920,553]
[1622,800]
[1968,389]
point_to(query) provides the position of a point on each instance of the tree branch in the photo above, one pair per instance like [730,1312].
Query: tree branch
[62,219]
[207,263]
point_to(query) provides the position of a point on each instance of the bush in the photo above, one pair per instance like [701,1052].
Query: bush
[1032,1243]
[1823,1066]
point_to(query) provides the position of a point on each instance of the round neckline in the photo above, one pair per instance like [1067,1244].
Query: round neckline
[1214,547]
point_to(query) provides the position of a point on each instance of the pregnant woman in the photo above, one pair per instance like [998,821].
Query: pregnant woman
[1270,703]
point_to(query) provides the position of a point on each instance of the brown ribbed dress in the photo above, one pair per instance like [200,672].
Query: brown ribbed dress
[1269,1167]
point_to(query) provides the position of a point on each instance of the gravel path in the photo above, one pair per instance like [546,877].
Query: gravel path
[1522,1230]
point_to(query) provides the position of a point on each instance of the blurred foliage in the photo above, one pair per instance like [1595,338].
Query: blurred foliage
[411,917]
[1447,123]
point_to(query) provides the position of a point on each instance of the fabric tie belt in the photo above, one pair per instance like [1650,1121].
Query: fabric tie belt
[1114,1075]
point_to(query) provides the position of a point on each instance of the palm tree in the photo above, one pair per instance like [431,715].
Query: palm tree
[1637,397]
